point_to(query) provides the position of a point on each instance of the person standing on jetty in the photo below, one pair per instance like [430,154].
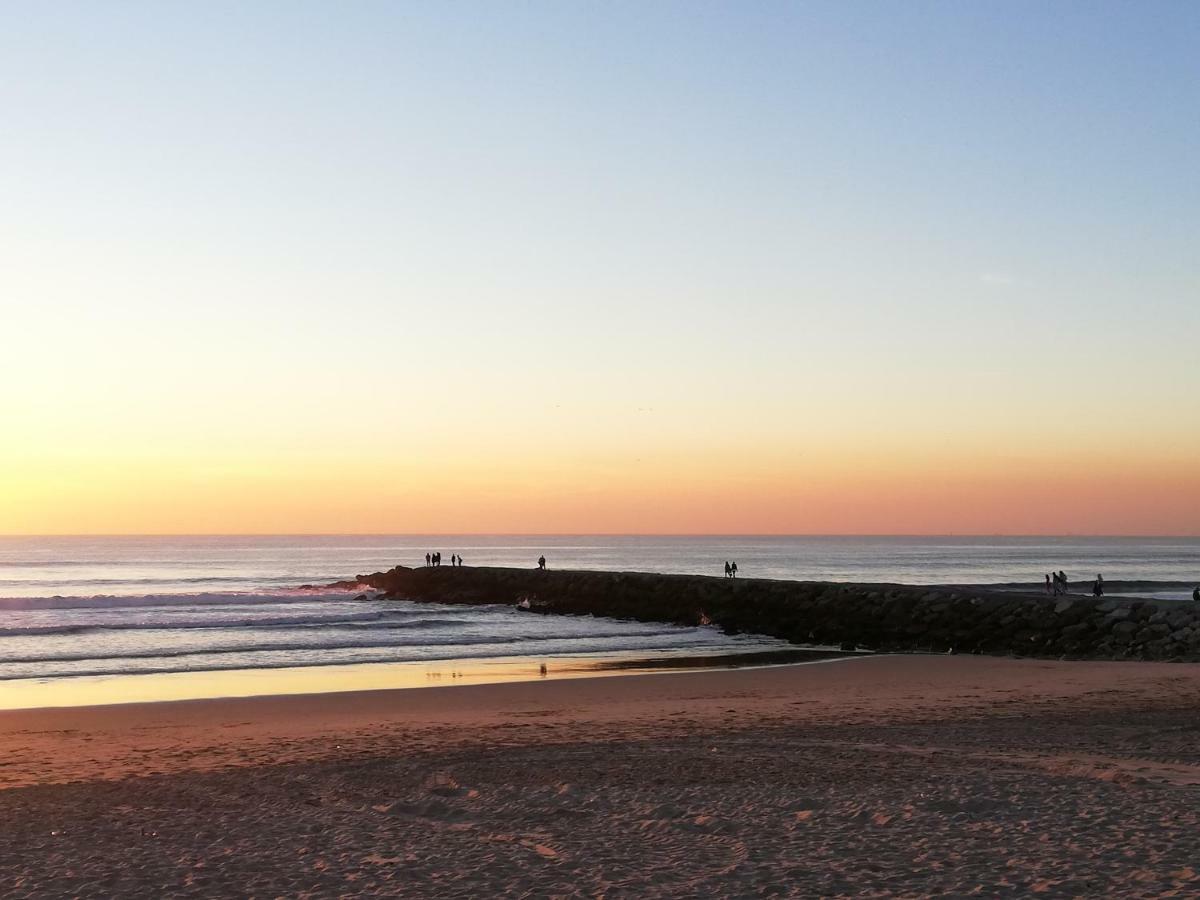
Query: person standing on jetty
[1196,595]
[1098,586]
[428,559]
[728,571]
[1049,590]
[542,563]
[733,569]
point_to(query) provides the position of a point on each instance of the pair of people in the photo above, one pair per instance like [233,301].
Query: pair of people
[1056,583]
[730,569]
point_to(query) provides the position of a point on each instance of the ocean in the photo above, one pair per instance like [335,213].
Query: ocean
[109,606]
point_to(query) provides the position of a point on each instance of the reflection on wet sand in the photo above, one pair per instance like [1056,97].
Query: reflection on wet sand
[112,689]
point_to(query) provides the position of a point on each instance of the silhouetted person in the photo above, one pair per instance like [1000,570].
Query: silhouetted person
[437,559]
[460,559]
[542,563]
[1062,580]
[429,559]
[727,569]
[1196,595]
[1049,590]
[1098,587]
[733,570]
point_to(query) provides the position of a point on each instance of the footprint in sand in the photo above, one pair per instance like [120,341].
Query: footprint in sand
[445,785]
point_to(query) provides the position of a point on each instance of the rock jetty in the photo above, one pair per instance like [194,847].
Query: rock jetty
[880,617]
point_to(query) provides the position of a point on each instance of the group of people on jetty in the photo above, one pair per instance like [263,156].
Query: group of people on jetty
[435,559]
[730,569]
[1056,584]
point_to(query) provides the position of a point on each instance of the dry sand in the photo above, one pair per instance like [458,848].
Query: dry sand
[891,776]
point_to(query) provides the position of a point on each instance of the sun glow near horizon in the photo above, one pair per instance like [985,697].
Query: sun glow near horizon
[651,495]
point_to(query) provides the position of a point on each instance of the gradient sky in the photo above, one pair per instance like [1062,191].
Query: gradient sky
[600,267]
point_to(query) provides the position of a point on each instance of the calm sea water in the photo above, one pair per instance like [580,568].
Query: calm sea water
[98,606]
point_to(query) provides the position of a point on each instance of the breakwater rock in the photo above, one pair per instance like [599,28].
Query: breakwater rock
[881,617]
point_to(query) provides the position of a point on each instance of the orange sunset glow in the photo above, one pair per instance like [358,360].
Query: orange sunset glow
[657,493]
[494,309]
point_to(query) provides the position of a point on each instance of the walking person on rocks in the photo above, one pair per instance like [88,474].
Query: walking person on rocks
[727,569]
[733,569]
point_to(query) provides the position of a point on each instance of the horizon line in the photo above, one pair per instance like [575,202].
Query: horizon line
[590,534]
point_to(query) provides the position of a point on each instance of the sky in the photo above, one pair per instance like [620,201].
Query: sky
[620,267]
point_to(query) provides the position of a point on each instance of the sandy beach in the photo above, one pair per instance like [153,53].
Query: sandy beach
[879,777]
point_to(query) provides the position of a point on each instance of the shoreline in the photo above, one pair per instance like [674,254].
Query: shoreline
[173,687]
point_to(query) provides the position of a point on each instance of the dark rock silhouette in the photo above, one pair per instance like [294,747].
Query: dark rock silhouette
[1019,621]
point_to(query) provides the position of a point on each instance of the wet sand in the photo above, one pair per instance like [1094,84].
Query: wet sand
[882,776]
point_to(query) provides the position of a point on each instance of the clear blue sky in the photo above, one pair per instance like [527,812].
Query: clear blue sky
[872,220]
